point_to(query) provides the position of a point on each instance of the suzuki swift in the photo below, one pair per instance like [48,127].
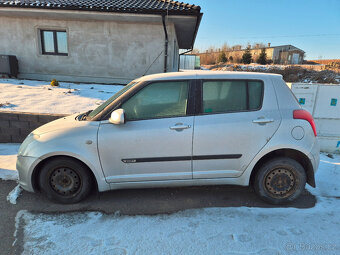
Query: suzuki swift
[178,129]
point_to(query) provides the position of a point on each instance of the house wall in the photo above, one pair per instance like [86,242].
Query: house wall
[256,53]
[284,55]
[237,55]
[279,55]
[287,57]
[98,50]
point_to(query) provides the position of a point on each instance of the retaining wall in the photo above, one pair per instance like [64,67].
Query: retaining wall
[15,126]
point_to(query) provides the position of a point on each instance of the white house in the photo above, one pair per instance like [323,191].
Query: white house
[106,41]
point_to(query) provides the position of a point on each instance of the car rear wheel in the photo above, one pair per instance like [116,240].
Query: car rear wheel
[65,180]
[280,181]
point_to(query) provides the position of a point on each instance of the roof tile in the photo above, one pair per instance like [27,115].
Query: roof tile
[127,6]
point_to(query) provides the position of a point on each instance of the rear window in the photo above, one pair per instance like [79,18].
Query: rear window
[232,96]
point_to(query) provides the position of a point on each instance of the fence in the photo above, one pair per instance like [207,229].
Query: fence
[323,102]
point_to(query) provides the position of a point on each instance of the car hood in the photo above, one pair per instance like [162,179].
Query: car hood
[62,123]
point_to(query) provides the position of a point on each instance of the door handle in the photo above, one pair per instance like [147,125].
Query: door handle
[180,127]
[263,121]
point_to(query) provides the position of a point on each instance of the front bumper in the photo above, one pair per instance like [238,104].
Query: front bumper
[25,166]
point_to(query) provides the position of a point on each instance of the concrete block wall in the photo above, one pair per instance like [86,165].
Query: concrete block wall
[15,126]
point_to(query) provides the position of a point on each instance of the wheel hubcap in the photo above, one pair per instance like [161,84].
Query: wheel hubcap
[65,181]
[280,182]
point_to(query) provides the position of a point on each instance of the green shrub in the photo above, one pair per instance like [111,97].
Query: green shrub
[54,83]
[263,57]
[247,57]
[222,57]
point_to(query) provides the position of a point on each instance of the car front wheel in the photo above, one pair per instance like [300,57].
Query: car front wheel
[65,180]
[280,180]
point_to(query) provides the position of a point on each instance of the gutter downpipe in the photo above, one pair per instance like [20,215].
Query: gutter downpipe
[166,42]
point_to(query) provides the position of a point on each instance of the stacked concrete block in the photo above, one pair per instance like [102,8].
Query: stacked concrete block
[15,126]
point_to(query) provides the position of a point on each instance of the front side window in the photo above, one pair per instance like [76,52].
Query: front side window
[53,42]
[232,96]
[158,100]
[100,108]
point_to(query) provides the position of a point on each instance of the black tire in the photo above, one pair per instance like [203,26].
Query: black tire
[280,181]
[65,180]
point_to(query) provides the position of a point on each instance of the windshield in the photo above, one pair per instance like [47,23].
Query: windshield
[110,100]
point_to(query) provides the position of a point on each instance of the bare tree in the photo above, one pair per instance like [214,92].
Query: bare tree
[257,45]
[195,51]
[225,47]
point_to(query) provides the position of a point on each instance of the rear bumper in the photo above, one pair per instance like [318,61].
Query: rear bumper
[25,166]
[314,156]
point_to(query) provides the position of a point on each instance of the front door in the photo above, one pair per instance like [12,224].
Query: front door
[238,117]
[155,143]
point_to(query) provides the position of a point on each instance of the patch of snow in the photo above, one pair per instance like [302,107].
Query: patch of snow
[8,157]
[40,97]
[327,177]
[203,68]
[17,225]
[14,194]
[200,231]
[8,175]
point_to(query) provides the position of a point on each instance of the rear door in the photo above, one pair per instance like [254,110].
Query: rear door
[236,119]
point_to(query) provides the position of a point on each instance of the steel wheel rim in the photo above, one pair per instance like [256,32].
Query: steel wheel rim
[65,181]
[280,182]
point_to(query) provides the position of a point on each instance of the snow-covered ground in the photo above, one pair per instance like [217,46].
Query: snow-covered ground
[243,230]
[14,194]
[200,231]
[41,97]
[8,157]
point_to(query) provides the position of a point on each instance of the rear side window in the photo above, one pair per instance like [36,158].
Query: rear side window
[255,89]
[232,96]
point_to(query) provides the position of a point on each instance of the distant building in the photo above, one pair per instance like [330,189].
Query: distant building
[283,54]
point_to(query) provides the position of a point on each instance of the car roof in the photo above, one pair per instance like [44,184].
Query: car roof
[206,74]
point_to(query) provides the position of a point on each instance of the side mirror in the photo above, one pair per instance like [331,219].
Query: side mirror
[117,117]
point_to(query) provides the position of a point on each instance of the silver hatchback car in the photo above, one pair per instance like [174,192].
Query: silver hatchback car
[178,129]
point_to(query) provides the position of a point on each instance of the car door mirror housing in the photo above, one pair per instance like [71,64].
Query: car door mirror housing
[117,117]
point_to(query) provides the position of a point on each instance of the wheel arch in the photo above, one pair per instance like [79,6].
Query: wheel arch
[39,166]
[290,153]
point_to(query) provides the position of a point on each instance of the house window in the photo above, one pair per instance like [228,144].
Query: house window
[53,42]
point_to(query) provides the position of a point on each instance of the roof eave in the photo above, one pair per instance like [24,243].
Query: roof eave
[193,12]
[199,19]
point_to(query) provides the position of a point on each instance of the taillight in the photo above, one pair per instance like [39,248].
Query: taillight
[305,115]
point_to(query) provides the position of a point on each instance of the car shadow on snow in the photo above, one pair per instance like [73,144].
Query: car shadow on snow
[159,200]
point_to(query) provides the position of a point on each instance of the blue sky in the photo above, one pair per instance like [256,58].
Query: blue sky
[311,25]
